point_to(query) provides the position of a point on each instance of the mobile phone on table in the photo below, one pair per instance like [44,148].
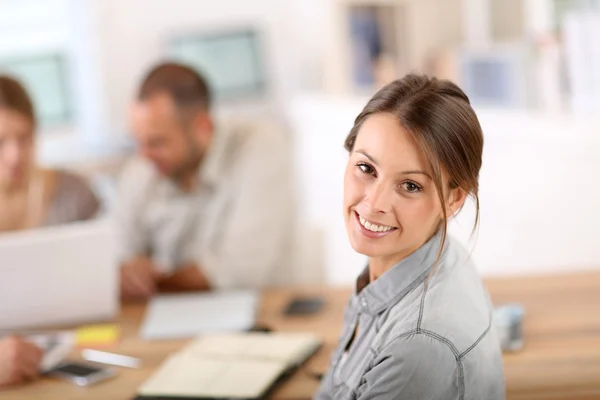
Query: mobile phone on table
[304,306]
[81,374]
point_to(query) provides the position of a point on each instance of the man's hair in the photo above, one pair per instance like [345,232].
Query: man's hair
[187,88]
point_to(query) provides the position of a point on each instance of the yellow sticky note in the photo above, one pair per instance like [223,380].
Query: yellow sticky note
[96,335]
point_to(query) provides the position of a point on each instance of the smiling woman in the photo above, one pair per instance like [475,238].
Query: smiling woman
[440,145]
[419,324]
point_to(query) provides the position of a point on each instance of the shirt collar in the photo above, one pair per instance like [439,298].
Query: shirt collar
[395,283]
[211,169]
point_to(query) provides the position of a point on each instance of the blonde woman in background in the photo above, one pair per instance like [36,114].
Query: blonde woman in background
[30,197]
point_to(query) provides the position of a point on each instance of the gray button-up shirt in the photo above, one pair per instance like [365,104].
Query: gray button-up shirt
[408,335]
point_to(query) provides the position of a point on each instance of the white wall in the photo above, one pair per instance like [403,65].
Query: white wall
[132,36]
[539,197]
[538,193]
[68,27]
[319,128]
[435,26]
[29,27]
[111,43]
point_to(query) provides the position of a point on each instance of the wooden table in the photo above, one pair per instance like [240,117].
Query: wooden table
[561,358]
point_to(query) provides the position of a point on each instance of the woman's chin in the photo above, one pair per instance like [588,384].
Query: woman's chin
[366,249]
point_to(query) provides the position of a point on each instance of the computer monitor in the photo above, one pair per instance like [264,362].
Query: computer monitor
[231,61]
[45,78]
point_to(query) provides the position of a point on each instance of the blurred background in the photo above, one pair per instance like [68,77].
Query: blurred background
[530,67]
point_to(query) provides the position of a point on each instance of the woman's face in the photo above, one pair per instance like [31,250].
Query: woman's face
[16,147]
[391,205]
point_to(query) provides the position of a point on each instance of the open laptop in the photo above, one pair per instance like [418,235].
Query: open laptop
[58,276]
[53,277]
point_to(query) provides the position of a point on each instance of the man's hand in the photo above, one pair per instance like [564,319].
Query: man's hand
[19,361]
[138,279]
[186,278]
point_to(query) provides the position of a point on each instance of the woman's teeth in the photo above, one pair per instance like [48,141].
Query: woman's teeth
[372,227]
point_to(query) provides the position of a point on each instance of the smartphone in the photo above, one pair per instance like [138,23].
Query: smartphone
[304,306]
[81,374]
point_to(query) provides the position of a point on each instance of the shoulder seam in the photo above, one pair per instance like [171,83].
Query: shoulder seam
[452,347]
[419,331]
[458,356]
[438,263]
[443,340]
[422,304]
[484,334]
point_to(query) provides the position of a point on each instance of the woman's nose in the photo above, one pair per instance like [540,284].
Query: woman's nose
[378,199]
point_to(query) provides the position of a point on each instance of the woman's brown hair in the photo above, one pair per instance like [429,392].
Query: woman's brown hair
[14,97]
[439,116]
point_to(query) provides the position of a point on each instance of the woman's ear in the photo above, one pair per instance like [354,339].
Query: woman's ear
[456,200]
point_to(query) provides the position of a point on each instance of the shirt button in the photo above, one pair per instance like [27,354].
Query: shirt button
[363,302]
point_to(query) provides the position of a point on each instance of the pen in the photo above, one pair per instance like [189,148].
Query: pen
[110,358]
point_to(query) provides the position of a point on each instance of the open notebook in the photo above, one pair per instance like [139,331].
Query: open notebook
[234,366]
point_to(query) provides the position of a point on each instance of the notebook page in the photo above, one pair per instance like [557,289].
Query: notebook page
[188,375]
[291,348]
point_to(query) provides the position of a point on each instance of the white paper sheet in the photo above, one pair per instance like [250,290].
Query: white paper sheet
[188,315]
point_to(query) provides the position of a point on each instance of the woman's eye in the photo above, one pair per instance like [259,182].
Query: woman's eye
[366,168]
[411,187]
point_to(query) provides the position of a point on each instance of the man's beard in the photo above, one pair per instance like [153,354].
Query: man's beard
[191,163]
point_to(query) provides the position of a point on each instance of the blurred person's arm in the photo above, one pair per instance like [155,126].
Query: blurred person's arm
[85,203]
[138,275]
[256,229]
[188,277]
[138,278]
[73,198]
[19,361]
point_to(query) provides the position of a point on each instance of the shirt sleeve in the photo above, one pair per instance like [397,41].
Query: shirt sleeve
[326,387]
[415,367]
[73,201]
[133,240]
[257,229]
[88,204]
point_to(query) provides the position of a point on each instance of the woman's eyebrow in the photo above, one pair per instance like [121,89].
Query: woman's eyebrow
[415,171]
[364,153]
